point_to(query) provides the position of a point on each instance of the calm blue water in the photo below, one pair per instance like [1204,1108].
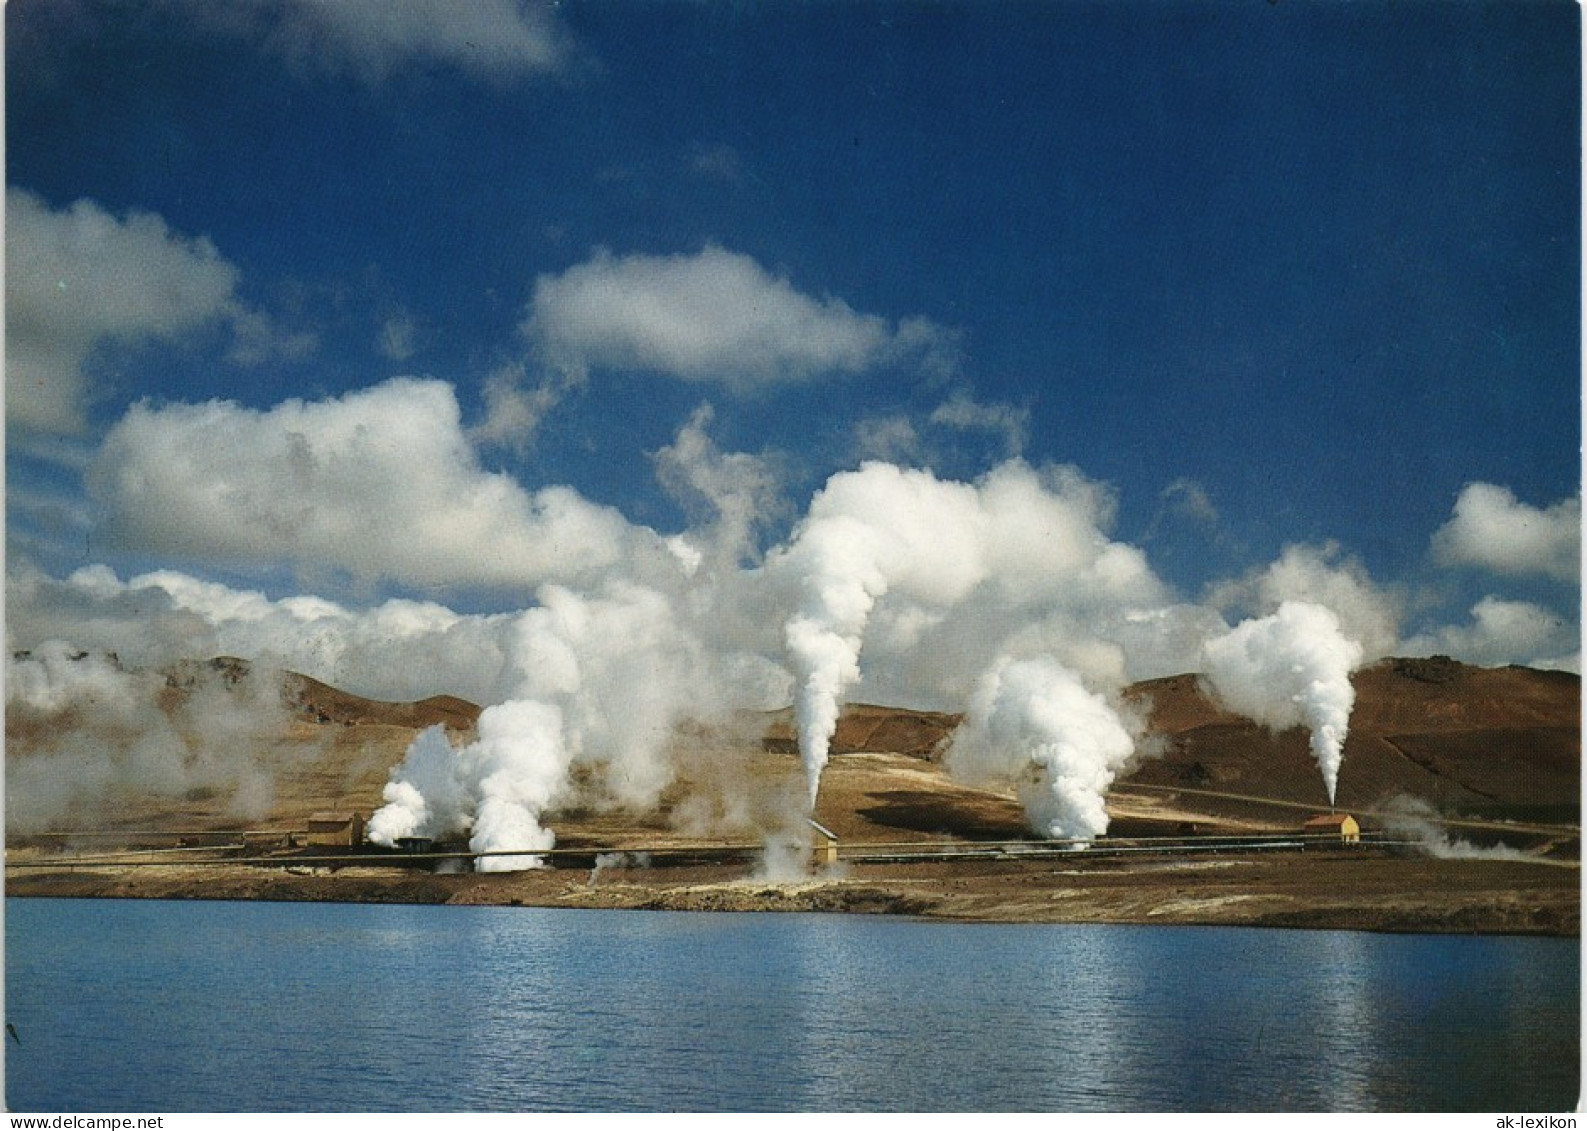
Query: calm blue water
[142,1005]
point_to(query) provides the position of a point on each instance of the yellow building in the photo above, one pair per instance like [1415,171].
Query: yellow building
[1341,825]
[823,843]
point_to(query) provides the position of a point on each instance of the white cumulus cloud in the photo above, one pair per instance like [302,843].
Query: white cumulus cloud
[717,316]
[1010,423]
[79,277]
[381,483]
[1506,632]
[1491,529]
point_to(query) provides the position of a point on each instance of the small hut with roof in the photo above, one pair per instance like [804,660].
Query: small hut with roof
[1341,825]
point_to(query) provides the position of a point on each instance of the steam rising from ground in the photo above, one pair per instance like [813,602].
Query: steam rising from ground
[1414,818]
[84,736]
[496,787]
[1004,593]
[426,796]
[1034,723]
[1290,669]
[1006,596]
[601,683]
[605,861]
[938,579]
[1012,565]
[785,859]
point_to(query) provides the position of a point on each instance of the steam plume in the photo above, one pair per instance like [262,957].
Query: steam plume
[1290,669]
[951,570]
[1034,723]
[521,762]
[865,532]
[425,796]
[600,682]
[1414,818]
[85,737]
[496,787]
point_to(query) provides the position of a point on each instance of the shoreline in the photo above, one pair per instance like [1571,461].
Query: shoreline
[1332,890]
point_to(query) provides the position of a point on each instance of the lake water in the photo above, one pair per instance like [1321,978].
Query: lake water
[134,1005]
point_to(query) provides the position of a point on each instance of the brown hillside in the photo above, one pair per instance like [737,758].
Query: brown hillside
[1500,741]
[865,728]
[325,704]
[321,703]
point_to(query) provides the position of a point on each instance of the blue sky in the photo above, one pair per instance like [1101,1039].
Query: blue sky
[1284,283]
